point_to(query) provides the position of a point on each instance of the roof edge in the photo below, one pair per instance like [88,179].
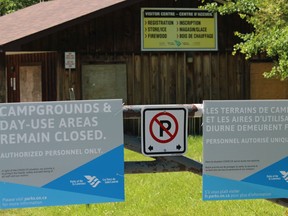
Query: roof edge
[17,44]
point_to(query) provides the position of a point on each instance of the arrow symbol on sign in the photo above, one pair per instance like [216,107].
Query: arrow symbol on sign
[178,147]
[150,148]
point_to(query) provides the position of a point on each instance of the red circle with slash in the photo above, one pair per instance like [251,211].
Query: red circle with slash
[155,120]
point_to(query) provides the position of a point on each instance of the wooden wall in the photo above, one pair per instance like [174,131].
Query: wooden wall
[262,88]
[119,31]
[2,78]
[167,78]
[152,77]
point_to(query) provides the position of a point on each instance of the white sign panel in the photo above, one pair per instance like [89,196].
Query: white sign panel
[70,60]
[245,150]
[61,153]
[164,130]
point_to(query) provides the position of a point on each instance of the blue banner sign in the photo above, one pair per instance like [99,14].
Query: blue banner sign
[61,153]
[245,150]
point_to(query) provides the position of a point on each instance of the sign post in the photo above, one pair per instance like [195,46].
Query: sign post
[245,150]
[61,153]
[164,130]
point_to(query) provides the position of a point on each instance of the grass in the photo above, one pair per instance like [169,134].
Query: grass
[162,194]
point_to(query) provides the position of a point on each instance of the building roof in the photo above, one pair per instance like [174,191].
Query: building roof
[46,17]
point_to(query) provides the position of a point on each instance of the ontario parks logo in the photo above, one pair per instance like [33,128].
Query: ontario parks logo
[93,180]
[284,175]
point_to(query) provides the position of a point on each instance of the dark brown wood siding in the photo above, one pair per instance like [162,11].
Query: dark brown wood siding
[167,78]
[152,77]
[2,77]
[119,31]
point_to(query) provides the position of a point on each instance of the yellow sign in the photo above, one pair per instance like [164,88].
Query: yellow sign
[182,29]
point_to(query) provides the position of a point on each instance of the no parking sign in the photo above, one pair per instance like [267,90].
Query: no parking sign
[164,130]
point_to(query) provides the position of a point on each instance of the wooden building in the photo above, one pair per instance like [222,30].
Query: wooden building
[105,35]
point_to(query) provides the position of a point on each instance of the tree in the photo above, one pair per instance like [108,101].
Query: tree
[269,36]
[9,6]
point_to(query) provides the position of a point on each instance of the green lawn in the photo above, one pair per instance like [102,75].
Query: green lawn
[162,194]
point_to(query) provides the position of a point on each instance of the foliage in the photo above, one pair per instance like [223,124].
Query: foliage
[9,6]
[269,36]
